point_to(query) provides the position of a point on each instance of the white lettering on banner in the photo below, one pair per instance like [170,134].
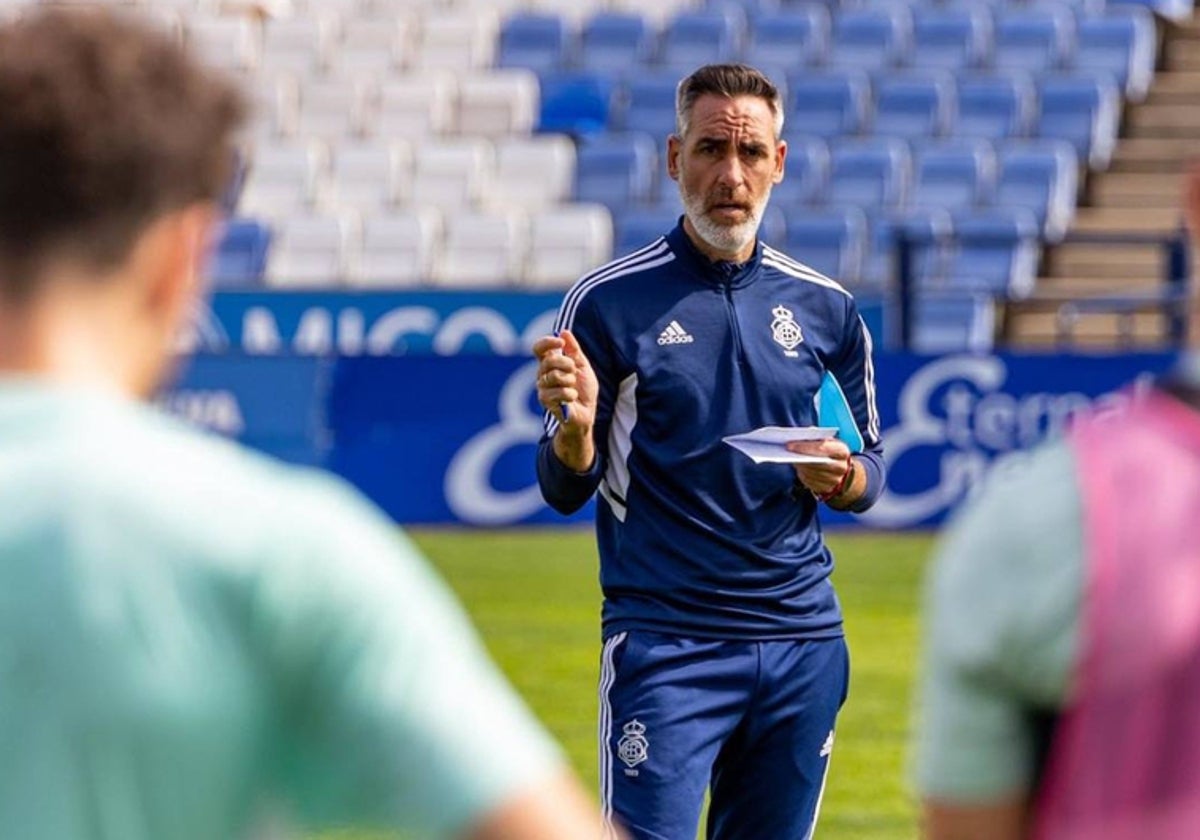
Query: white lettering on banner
[468,484]
[217,411]
[203,331]
[979,426]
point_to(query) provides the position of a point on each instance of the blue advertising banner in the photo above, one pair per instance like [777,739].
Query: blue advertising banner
[274,404]
[451,439]
[315,323]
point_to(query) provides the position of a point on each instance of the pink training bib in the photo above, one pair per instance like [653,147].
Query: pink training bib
[1125,761]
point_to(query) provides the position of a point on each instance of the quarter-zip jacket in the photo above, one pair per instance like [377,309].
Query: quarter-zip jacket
[694,537]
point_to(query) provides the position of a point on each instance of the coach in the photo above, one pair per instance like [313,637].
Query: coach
[724,661]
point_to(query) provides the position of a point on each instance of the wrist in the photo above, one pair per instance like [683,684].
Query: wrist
[839,491]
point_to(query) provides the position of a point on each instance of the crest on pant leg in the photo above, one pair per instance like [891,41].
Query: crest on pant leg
[633,748]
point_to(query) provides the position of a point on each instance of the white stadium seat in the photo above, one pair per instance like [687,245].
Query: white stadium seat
[284,179]
[312,251]
[232,43]
[398,251]
[565,243]
[532,172]
[498,103]
[482,250]
[299,45]
[452,174]
[331,109]
[460,41]
[374,45]
[369,177]
[416,105]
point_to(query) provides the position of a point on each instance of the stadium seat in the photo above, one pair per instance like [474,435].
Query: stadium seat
[789,39]
[872,174]
[1122,43]
[399,249]
[330,109]
[533,172]
[276,107]
[705,36]
[953,175]
[482,250]
[952,38]
[416,106]
[575,103]
[807,174]
[995,107]
[952,321]
[926,231]
[1083,111]
[371,45]
[311,251]
[565,243]
[616,170]
[1041,177]
[285,179]
[369,177]
[240,257]
[650,105]
[772,227]
[615,42]
[300,45]
[572,12]
[636,228]
[459,41]
[657,13]
[498,103]
[1035,40]
[833,242]
[534,41]
[913,106]
[874,39]
[995,252]
[828,104]
[453,174]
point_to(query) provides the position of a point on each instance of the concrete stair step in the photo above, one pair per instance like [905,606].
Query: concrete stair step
[1183,54]
[1054,328]
[1137,189]
[1116,220]
[1164,120]
[1123,263]
[1166,155]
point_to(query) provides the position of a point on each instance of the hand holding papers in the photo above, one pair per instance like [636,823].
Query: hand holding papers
[768,445]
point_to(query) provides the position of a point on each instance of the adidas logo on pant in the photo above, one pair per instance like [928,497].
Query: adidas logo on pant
[674,334]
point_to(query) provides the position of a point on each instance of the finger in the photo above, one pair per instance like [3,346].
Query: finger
[545,345]
[571,348]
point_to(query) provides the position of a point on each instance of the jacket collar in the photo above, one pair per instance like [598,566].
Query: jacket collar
[719,273]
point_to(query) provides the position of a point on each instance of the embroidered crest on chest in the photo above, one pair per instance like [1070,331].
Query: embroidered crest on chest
[786,331]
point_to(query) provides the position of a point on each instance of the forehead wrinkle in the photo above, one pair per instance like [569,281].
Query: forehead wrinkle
[725,118]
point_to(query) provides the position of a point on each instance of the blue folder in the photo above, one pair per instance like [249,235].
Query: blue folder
[834,411]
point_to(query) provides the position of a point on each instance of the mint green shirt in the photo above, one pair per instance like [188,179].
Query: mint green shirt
[192,635]
[1001,630]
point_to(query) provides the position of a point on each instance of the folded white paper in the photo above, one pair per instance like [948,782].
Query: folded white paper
[768,445]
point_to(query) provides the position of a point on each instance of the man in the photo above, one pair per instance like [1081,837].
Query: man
[723,657]
[192,636]
[1062,645]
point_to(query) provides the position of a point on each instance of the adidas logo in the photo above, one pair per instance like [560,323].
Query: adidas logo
[674,334]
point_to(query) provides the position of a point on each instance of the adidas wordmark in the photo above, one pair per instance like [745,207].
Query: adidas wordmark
[674,334]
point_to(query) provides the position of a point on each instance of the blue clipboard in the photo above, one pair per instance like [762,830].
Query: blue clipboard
[834,411]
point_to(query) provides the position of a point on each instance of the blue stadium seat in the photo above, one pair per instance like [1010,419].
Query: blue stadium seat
[649,105]
[634,229]
[995,107]
[1122,43]
[951,38]
[828,104]
[240,257]
[807,173]
[535,41]
[789,39]
[616,42]
[707,36]
[772,228]
[1083,111]
[926,231]
[833,241]
[872,174]
[1034,40]
[958,175]
[871,39]
[952,321]
[616,170]
[995,252]
[1042,177]
[575,103]
[1174,10]
[913,106]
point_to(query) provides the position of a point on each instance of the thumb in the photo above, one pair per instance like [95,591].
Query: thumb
[572,349]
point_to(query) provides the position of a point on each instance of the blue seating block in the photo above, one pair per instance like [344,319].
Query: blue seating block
[240,257]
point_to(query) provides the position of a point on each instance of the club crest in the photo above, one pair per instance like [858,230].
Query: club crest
[633,748]
[785,330]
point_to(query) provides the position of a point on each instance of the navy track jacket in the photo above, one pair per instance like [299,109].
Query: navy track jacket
[695,538]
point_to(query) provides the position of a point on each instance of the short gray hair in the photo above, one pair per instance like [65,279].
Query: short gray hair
[729,80]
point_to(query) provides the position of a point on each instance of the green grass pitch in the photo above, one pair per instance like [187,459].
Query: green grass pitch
[534,597]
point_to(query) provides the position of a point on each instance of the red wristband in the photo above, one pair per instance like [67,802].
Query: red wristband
[841,487]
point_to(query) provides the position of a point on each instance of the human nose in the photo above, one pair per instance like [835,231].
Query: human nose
[730,173]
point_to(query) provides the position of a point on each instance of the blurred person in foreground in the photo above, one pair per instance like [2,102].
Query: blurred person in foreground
[724,662]
[1061,688]
[194,638]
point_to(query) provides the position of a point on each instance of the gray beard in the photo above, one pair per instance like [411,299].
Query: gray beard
[725,238]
